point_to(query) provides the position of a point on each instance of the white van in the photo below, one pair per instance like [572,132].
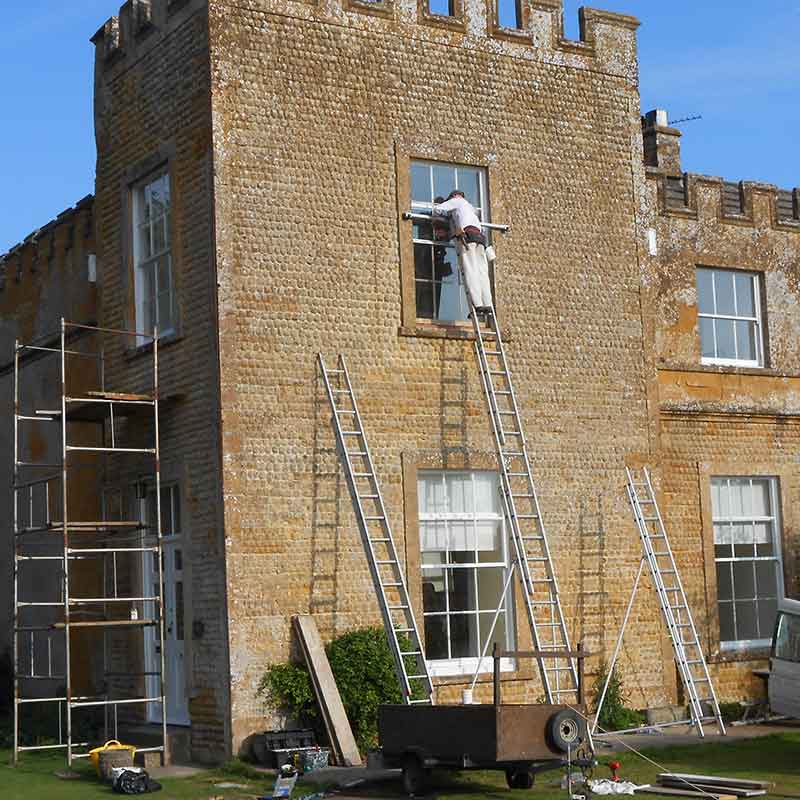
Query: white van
[784,676]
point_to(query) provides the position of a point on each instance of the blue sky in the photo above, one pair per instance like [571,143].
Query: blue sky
[733,61]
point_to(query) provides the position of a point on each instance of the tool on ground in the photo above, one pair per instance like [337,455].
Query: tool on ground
[659,558]
[376,534]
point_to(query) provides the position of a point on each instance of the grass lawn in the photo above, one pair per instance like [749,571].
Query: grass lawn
[34,779]
[775,758]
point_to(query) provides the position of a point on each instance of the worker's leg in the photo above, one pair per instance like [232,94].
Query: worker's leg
[476,274]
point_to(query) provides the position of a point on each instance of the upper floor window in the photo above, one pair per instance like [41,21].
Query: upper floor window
[509,14]
[465,562]
[152,256]
[444,8]
[730,317]
[439,291]
[747,555]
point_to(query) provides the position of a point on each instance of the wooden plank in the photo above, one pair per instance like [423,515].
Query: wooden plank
[343,744]
[667,792]
[716,780]
[118,396]
[681,783]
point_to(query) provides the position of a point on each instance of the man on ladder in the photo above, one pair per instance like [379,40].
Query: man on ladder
[465,228]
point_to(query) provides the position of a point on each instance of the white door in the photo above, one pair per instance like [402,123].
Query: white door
[174,612]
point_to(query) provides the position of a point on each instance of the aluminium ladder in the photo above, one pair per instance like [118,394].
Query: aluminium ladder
[523,513]
[672,598]
[387,574]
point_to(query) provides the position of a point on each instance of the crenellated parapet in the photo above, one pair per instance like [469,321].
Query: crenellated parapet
[745,203]
[694,196]
[53,244]
[136,28]
[607,41]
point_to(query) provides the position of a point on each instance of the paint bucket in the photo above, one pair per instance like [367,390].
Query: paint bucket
[466,697]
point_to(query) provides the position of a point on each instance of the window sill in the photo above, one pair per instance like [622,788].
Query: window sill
[426,329]
[144,349]
[459,668]
[723,369]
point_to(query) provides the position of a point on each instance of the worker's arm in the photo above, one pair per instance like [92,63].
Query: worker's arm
[444,209]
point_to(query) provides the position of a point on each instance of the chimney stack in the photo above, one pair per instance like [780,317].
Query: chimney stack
[662,144]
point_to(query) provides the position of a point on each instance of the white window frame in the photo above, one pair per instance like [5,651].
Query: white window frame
[469,664]
[146,226]
[774,521]
[757,320]
[419,206]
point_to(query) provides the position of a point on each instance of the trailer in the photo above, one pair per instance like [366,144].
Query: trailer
[519,739]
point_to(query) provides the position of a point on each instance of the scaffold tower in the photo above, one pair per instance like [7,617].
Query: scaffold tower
[88,594]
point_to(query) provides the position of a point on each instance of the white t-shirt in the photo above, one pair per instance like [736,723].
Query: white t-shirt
[460,212]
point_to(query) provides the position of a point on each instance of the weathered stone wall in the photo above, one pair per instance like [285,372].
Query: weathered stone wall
[719,420]
[42,279]
[153,112]
[317,110]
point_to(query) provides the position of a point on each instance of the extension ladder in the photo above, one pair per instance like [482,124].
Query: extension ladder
[672,598]
[521,505]
[387,574]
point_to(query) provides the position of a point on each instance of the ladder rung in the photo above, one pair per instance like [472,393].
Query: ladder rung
[362,474]
[417,677]
[502,391]
[419,702]
[381,540]
[513,453]
[358,453]
[391,585]
[373,518]
[390,561]
[527,516]
[344,411]
[340,391]
[396,608]
[517,474]
[403,630]
[411,653]
[368,497]
[351,433]
[532,539]
[493,352]
[335,371]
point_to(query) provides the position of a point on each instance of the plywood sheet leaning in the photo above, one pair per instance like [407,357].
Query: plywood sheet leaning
[343,744]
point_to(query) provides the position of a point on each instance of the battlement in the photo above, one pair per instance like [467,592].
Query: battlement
[744,203]
[51,244]
[607,39]
[124,37]
[691,195]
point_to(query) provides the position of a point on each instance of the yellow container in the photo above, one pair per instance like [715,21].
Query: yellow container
[112,744]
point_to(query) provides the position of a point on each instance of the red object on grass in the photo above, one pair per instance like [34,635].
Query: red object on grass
[614,766]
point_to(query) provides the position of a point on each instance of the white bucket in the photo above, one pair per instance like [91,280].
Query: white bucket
[466,697]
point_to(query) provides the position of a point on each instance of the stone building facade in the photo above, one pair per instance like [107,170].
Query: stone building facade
[254,164]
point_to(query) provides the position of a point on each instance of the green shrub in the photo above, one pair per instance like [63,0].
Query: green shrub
[614,715]
[363,668]
[288,686]
[731,712]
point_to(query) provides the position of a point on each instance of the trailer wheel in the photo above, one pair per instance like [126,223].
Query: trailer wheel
[517,778]
[566,730]
[414,775]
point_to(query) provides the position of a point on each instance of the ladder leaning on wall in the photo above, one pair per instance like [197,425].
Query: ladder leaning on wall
[376,534]
[531,549]
[532,558]
[686,645]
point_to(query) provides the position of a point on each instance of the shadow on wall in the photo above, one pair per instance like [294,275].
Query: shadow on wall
[326,518]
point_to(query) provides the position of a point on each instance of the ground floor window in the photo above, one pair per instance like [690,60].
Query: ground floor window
[465,563]
[747,555]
